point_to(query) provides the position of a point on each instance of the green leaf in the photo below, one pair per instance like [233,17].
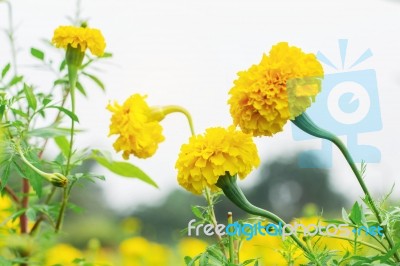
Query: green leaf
[124,169]
[15,80]
[30,97]
[46,101]
[65,111]
[31,214]
[63,65]
[5,70]
[2,109]
[37,53]
[187,260]
[345,216]
[35,179]
[19,112]
[5,262]
[96,80]
[356,214]
[80,88]
[5,175]
[49,132]
[197,212]
[106,55]
[63,144]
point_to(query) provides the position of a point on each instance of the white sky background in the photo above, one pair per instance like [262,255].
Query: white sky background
[188,53]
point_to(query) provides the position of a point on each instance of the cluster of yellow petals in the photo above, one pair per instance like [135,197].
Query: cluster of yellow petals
[281,87]
[79,37]
[139,133]
[208,157]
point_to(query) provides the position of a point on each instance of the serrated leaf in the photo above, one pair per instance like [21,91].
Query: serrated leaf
[65,111]
[5,70]
[30,97]
[124,169]
[95,79]
[37,53]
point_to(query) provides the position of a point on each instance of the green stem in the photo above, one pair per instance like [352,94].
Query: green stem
[62,211]
[231,249]
[210,203]
[305,123]
[73,77]
[232,191]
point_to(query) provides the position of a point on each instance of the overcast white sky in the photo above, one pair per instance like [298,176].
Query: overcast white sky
[188,53]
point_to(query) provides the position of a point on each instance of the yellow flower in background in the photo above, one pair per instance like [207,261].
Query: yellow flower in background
[208,157]
[62,254]
[138,251]
[139,133]
[281,87]
[191,247]
[80,37]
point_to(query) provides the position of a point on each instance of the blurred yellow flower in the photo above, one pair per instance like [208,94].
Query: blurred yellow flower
[266,248]
[279,88]
[208,157]
[139,133]
[138,251]
[191,247]
[62,254]
[6,210]
[79,37]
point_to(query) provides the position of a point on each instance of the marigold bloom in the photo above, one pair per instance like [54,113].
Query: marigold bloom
[79,37]
[281,87]
[210,156]
[139,132]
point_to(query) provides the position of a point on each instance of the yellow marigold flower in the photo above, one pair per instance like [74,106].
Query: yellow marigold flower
[208,157]
[139,132]
[281,87]
[79,37]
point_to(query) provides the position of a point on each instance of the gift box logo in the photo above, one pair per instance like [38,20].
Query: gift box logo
[348,105]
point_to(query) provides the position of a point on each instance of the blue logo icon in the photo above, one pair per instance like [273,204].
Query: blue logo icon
[348,105]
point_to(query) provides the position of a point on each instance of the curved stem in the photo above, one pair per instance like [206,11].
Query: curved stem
[178,109]
[21,154]
[305,123]
[232,191]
